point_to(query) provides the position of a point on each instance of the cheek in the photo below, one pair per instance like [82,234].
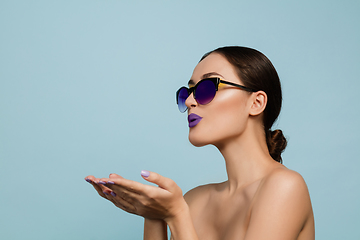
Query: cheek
[230,120]
[226,117]
[230,109]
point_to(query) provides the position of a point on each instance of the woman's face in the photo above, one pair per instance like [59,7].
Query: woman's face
[226,116]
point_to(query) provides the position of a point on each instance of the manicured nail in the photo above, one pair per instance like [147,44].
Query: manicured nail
[102,182]
[88,180]
[105,193]
[113,194]
[145,173]
[110,182]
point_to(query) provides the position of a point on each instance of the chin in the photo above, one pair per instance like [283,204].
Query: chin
[197,141]
[200,139]
[216,137]
[198,144]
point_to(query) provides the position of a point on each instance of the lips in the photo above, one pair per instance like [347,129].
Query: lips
[193,120]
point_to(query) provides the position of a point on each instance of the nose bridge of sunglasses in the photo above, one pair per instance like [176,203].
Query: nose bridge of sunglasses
[191,95]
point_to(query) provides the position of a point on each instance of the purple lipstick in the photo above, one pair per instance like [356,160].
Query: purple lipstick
[193,120]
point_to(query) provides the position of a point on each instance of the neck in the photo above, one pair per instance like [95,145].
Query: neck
[247,158]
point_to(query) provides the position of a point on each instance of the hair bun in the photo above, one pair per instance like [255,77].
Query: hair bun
[276,143]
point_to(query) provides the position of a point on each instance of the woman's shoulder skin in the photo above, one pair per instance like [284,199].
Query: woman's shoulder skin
[199,195]
[198,199]
[280,207]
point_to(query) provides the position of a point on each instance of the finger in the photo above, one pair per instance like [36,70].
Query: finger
[163,182]
[109,187]
[124,184]
[102,190]
[89,178]
[122,200]
[114,175]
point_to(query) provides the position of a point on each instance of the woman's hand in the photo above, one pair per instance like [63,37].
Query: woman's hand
[163,202]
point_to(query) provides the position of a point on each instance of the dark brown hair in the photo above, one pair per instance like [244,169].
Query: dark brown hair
[257,72]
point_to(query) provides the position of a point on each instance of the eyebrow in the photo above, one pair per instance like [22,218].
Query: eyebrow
[206,75]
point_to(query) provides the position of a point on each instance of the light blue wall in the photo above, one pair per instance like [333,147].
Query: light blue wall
[88,87]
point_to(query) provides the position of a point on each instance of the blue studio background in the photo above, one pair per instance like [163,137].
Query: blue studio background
[88,87]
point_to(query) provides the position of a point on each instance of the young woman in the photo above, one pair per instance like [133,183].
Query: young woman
[233,99]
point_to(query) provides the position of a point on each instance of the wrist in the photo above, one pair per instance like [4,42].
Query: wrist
[181,225]
[182,213]
[155,229]
[153,220]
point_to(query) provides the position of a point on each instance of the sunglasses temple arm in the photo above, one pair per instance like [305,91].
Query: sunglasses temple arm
[239,86]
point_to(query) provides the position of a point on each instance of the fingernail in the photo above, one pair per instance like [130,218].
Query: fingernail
[102,182]
[105,193]
[110,182]
[145,173]
[113,194]
[88,180]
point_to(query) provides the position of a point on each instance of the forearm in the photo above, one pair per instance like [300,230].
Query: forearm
[182,227]
[155,229]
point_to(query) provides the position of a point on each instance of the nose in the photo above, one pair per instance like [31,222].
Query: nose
[190,101]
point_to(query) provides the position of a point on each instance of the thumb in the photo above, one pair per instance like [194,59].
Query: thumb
[163,182]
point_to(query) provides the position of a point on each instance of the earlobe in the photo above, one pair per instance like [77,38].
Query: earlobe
[259,100]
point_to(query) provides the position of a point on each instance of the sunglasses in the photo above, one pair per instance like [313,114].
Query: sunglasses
[204,91]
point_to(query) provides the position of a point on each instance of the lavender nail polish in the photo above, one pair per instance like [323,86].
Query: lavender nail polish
[105,193]
[102,182]
[145,173]
[110,182]
[88,180]
[113,194]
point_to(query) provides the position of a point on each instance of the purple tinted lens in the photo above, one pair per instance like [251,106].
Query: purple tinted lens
[181,98]
[205,92]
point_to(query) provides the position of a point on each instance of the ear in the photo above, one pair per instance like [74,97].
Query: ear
[259,101]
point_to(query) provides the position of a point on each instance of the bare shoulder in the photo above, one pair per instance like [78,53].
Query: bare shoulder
[200,194]
[283,179]
[284,185]
[281,206]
